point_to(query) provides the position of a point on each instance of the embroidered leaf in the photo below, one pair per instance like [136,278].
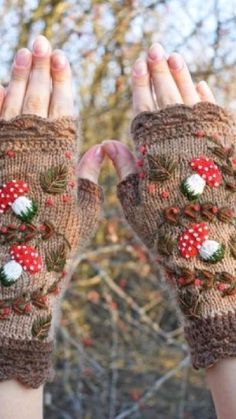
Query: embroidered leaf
[54,180]
[161,167]
[166,244]
[56,259]
[41,327]
[232,246]
[190,302]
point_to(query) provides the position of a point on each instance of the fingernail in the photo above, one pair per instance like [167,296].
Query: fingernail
[98,153]
[40,46]
[140,68]
[58,61]
[156,52]
[176,62]
[23,58]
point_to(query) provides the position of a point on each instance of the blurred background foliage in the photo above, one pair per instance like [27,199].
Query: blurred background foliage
[121,351]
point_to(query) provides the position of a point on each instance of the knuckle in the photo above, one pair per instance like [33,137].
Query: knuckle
[9,112]
[142,108]
[33,103]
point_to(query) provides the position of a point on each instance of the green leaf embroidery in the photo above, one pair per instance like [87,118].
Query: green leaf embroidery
[161,167]
[41,326]
[56,259]
[54,180]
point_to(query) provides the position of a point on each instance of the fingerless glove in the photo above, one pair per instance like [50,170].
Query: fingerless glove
[182,206]
[46,215]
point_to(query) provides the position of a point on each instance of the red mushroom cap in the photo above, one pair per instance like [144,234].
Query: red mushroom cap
[27,257]
[191,240]
[208,170]
[10,191]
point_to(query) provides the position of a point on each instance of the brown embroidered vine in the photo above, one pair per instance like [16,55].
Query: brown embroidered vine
[197,212]
[54,180]
[203,279]
[160,167]
[41,326]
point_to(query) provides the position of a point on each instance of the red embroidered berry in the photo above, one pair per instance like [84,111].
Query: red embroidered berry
[140,163]
[10,153]
[7,311]
[142,149]
[151,187]
[22,227]
[42,227]
[234,161]
[208,170]
[141,175]
[164,194]
[10,191]
[199,133]
[221,286]
[49,202]
[68,154]
[214,210]
[196,207]
[181,281]
[28,308]
[3,230]
[27,257]
[197,283]
[191,239]
[65,198]
[56,291]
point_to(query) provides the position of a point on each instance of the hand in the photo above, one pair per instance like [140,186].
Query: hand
[171,82]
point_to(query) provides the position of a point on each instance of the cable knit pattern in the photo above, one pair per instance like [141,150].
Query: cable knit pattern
[46,216]
[181,204]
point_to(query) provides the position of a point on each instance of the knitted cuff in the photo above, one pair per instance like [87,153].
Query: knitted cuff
[181,204]
[46,216]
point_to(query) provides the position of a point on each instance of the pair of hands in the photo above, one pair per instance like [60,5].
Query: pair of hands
[40,84]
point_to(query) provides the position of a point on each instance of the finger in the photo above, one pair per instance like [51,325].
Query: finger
[122,158]
[90,164]
[17,86]
[38,91]
[205,92]
[62,98]
[141,88]
[2,96]
[165,88]
[183,79]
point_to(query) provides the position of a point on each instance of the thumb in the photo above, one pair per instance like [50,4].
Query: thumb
[89,165]
[122,158]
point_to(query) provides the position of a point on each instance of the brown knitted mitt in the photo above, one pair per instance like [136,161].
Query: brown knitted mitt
[181,204]
[46,215]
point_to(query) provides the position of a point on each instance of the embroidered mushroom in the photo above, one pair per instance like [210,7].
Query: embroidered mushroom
[12,194]
[23,258]
[194,241]
[207,172]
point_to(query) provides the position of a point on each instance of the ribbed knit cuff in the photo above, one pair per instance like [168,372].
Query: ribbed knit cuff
[30,363]
[211,339]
